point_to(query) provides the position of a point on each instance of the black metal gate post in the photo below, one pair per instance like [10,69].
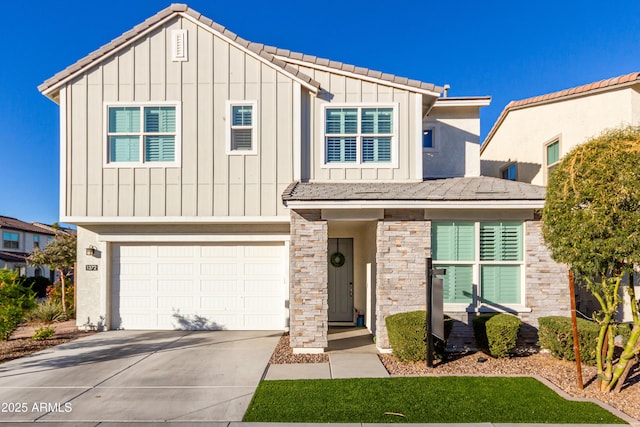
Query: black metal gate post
[429,309]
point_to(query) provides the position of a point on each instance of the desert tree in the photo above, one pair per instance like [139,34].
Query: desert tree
[59,255]
[591,222]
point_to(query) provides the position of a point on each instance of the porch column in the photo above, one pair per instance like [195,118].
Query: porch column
[309,300]
[403,242]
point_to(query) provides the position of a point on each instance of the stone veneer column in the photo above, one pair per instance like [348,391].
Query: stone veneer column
[547,284]
[308,301]
[403,242]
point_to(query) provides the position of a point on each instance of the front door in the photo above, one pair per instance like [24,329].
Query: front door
[340,280]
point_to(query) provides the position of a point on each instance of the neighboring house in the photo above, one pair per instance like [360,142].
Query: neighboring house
[19,240]
[532,135]
[222,184]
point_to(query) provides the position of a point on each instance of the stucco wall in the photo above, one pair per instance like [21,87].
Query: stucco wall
[524,132]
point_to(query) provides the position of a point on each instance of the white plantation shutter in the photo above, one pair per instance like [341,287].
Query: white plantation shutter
[242,127]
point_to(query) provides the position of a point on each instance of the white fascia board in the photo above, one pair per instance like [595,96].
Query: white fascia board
[463,102]
[416,204]
[192,238]
[86,220]
[357,76]
[249,52]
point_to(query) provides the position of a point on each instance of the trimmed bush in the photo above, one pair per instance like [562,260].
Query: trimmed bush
[15,301]
[496,333]
[407,332]
[556,335]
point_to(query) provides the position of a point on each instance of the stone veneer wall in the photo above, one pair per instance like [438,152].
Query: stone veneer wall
[308,300]
[547,290]
[403,242]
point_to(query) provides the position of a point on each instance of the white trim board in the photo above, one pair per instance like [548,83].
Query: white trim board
[175,220]
[192,238]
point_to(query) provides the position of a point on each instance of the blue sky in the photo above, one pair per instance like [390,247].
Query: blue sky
[506,49]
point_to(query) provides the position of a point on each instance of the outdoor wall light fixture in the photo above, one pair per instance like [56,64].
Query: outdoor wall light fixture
[91,250]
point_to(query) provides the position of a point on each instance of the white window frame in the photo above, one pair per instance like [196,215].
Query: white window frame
[434,146]
[476,305]
[142,163]
[547,167]
[359,163]
[254,127]
[4,241]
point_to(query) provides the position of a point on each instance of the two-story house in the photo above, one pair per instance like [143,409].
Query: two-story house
[222,184]
[19,240]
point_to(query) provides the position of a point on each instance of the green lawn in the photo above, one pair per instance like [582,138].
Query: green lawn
[419,400]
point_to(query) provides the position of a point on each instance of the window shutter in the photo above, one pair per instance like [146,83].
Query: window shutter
[341,121]
[341,150]
[159,148]
[124,119]
[124,148]
[553,153]
[458,283]
[500,284]
[377,120]
[160,119]
[242,115]
[501,241]
[453,241]
[241,139]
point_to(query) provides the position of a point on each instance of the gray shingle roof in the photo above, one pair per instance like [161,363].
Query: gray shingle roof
[447,189]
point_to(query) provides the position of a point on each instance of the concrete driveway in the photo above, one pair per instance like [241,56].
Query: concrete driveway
[133,376]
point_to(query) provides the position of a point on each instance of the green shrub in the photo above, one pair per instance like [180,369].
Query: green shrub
[502,333]
[15,301]
[54,292]
[48,311]
[43,333]
[555,333]
[407,332]
[496,333]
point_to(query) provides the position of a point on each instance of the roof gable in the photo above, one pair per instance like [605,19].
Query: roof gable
[613,83]
[278,58]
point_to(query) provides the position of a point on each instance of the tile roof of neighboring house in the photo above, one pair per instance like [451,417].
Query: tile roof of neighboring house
[446,189]
[15,224]
[268,53]
[13,256]
[607,84]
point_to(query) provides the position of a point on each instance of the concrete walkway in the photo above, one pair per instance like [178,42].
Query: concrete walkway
[352,354]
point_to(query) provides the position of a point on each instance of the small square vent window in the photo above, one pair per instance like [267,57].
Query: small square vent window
[179,50]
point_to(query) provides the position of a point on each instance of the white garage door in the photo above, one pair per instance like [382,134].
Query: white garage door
[233,287]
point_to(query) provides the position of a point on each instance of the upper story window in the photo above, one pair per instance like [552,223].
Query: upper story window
[552,156]
[241,129]
[428,141]
[510,172]
[36,241]
[484,262]
[10,240]
[361,135]
[143,135]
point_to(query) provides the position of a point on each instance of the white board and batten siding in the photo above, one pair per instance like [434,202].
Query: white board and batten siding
[208,182]
[198,286]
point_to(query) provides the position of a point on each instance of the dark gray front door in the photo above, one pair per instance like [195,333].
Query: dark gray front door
[340,280]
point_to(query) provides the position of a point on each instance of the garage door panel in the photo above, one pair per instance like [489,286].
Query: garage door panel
[218,269]
[213,286]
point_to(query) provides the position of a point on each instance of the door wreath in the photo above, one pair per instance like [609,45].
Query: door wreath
[337,259]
